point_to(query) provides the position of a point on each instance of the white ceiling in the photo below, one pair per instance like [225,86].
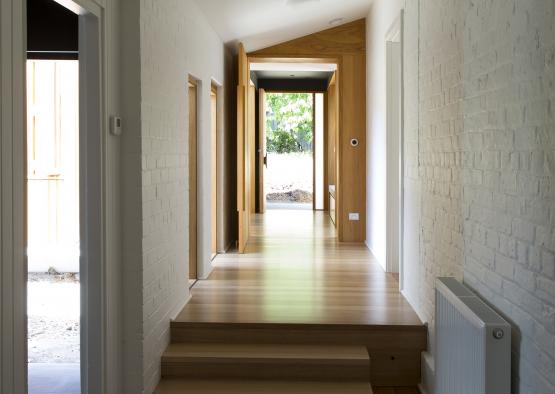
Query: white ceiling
[262,23]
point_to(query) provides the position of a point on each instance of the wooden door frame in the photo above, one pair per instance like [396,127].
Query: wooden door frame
[193,85]
[337,60]
[350,59]
[262,149]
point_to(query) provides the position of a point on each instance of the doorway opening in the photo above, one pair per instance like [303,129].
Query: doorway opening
[53,200]
[193,179]
[214,169]
[53,292]
[289,172]
[394,143]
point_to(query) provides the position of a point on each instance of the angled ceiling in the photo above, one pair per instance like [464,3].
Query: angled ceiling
[262,23]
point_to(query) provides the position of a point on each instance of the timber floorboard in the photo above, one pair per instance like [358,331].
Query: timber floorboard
[294,270]
[297,284]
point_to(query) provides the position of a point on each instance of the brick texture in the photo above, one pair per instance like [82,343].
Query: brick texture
[485,165]
[176,41]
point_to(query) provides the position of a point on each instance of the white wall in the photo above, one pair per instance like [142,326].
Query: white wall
[479,147]
[508,175]
[380,18]
[175,41]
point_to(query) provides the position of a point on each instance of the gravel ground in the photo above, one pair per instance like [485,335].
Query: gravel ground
[288,177]
[53,313]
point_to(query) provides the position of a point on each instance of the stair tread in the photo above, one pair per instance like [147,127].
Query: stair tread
[179,386]
[186,351]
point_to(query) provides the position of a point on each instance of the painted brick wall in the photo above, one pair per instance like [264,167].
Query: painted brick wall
[176,41]
[412,188]
[508,191]
[440,130]
[485,164]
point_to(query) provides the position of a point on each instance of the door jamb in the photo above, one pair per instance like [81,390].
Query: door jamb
[92,178]
[395,34]
[215,187]
[93,126]
[193,83]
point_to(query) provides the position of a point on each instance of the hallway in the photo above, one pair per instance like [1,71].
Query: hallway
[295,271]
[296,306]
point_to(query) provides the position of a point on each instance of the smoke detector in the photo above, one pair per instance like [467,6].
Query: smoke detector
[336,21]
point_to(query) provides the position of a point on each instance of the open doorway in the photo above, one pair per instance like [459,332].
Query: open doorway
[289,172]
[53,218]
[193,181]
[394,154]
[64,198]
[53,200]
[214,170]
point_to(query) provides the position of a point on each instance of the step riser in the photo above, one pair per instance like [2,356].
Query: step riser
[382,339]
[395,353]
[268,371]
[180,386]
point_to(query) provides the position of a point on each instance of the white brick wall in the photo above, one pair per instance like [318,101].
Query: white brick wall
[165,42]
[176,41]
[483,171]
[440,131]
[509,79]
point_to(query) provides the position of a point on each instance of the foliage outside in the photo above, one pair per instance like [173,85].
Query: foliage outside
[289,118]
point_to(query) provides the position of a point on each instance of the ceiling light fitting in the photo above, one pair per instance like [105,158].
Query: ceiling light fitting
[336,21]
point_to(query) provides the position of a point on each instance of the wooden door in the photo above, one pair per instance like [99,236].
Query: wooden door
[332,114]
[243,184]
[251,145]
[214,169]
[262,149]
[192,179]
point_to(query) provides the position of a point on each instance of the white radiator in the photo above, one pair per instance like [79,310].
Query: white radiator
[473,343]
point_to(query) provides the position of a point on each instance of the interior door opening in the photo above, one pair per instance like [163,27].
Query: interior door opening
[53,200]
[286,132]
[289,172]
[214,169]
[394,116]
[193,151]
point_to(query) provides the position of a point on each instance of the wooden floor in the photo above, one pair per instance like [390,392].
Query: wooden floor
[297,310]
[295,271]
[396,390]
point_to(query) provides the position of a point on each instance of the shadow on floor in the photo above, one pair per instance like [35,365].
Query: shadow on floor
[54,378]
[289,205]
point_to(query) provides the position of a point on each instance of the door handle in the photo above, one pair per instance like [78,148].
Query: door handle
[266,160]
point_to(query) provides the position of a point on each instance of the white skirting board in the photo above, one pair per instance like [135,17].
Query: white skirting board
[426,386]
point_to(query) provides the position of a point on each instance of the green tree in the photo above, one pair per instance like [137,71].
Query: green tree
[289,122]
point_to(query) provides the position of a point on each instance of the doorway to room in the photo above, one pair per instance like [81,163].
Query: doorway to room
[64,198]
[53,200]
[289,139]
[193,179]
[53,289]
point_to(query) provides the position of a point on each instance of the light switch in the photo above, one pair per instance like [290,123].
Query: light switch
[353,215]
[115,125]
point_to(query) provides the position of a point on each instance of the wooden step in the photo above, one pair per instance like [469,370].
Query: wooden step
[182,386]
[266,361]
[394,349]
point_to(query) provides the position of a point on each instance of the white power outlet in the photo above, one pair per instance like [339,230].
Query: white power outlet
[353,216]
